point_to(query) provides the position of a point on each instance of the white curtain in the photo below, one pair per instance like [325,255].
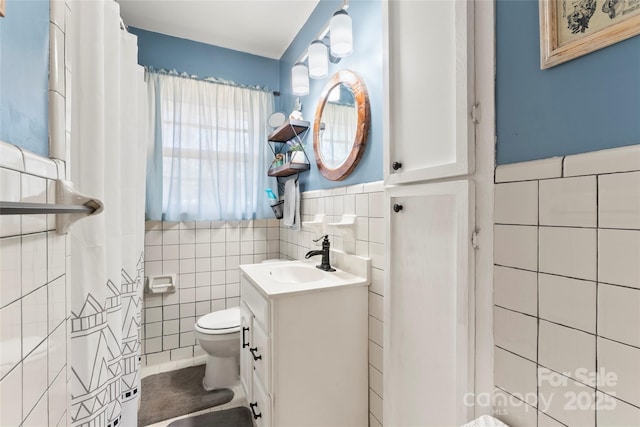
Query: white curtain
[339,132]
[107,162]
[210,155]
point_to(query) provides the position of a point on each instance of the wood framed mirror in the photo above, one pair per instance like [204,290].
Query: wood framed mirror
[341,125]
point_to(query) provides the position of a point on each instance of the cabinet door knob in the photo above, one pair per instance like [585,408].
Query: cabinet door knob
[253,351]
[245,343]
[253,407]
[396,165]
[397,208]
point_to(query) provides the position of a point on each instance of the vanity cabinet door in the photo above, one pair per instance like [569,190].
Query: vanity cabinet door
[428,363]
[261,353]
[261,407]
[429,132]
[246,365]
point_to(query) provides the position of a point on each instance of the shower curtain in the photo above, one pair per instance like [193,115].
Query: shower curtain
[106,251]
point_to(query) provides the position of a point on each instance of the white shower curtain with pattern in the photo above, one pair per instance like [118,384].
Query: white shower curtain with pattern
[106,265]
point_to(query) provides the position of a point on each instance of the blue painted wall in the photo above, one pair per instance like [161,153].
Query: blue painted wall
[24,75]
[366,60]
[587,104]
[204,60]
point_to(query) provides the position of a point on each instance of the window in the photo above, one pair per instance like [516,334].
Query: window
[213,155]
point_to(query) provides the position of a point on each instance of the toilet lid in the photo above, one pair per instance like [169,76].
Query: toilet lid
[223,319]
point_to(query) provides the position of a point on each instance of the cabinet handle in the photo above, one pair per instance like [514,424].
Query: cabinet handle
[253,407]
[397,208]
[396,165]
[244,341]
[253,351]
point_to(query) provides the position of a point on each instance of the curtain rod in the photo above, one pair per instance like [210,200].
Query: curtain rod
[185,75]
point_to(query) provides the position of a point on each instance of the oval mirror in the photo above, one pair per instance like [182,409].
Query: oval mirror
[341,125]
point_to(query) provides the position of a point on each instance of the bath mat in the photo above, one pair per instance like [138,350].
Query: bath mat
[235,417]
[171,394]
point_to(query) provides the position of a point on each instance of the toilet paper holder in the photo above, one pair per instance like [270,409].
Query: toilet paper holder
[161,284]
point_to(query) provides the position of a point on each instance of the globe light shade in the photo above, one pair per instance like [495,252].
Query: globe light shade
[300,79]
[318,60]
[341,34]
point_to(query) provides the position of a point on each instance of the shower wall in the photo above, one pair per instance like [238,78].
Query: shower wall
[33,311]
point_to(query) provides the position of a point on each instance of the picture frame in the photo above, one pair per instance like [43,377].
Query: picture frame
[572,28]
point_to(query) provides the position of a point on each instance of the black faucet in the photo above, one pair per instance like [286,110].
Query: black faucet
[324,264]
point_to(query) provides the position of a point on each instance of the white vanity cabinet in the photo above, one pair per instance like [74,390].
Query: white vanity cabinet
[304,355]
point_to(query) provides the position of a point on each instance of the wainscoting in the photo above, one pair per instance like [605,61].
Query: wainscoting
[204,256]
[567,290]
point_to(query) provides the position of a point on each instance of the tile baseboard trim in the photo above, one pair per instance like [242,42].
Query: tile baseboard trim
[614,160]
[532,170]
[173,365]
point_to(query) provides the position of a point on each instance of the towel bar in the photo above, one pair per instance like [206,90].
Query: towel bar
[70,206]
[23,208]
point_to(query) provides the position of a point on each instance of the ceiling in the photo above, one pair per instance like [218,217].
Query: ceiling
[259,27]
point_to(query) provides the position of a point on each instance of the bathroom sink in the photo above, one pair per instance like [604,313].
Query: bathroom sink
[290,277]
[296,274]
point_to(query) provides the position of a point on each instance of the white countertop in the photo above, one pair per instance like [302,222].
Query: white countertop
[262,276]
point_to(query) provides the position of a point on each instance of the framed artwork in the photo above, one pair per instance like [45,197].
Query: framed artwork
[572,28]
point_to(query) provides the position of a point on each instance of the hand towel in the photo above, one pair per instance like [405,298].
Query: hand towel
[292,204]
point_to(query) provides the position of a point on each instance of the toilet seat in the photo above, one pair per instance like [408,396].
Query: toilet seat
[219,322]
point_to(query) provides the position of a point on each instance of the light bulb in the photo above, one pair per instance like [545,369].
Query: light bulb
[318,60]
[300,79]
[341,34]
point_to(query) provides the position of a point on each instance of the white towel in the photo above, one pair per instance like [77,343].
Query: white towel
[292,204]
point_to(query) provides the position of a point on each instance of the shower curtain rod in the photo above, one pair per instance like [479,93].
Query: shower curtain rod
[23,208]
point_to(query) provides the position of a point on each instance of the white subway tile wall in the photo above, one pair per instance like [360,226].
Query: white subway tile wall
[367,202]
[204,257]
[515,332]
[513,412]
[517,203]
[567,291]
[33,310]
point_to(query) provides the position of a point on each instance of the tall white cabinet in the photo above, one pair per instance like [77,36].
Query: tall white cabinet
[429,159]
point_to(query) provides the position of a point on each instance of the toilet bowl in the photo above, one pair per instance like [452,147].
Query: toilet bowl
[218,334]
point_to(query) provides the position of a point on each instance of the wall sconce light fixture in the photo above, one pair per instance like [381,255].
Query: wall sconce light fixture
[341,33]
[340,40]
[318,60]
[300,79]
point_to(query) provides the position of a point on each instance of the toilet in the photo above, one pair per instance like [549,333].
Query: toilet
[218,334]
